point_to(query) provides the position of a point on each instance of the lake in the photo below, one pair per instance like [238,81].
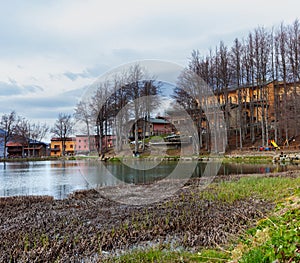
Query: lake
[60,178]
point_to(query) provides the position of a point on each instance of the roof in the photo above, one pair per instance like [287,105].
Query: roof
[59,140]
[152,120]
[158,121]
[36,142]
[243,86]
[91,135]
[14,144]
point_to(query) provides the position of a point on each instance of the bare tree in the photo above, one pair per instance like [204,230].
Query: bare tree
[294,67]
[150,101]
[22,133]
[223,79]
[141,91]
[189,94]
[236,65]
[248,64]
[83,114]
[204,68]
[100,112]
[281,37]
[135,76]
[196,97]
[121,117]
[274,77]
[63,129]
[7,124]
[262,69]
[39,131]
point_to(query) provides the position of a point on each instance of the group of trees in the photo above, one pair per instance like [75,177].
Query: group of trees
[199,101]
[129,95]
[21,130]
[262,56]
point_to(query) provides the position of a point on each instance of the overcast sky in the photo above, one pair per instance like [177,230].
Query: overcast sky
[49,50]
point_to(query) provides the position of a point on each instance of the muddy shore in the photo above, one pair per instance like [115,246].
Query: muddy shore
[86,227]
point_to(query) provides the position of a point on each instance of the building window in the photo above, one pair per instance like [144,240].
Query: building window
[71,146]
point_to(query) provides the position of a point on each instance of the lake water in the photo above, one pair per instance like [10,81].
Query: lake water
[60,178]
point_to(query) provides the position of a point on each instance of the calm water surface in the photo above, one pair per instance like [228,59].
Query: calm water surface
[60,178]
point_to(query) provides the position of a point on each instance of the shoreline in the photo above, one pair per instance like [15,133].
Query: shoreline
[291,157]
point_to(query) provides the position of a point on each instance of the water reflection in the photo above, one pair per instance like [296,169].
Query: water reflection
[59,178]
[142,176]
[53,178]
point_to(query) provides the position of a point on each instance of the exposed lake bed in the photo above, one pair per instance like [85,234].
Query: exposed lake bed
[85,226]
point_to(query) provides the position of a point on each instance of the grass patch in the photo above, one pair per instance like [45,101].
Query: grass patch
[86,157]
[30,159]
[266,188]
[115,159]
[156,254]
[274,238]
[155,138]
[249,159]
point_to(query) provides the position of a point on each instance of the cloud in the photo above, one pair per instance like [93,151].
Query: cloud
[12,88]
[97,69]
[32,89]
[42,108]
[74,76]
[9,89]
[89,72]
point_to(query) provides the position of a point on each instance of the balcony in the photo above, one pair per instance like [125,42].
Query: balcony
[56,149]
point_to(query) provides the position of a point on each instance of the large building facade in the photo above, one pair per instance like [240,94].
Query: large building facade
[20,148]
[90,144]
[151,127]
[257,113]
[57,146]
[272,107]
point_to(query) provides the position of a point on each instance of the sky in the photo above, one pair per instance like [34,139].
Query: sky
[51,50]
